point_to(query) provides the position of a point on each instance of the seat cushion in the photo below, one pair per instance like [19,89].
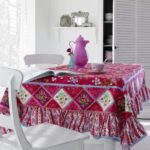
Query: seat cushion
[42,136]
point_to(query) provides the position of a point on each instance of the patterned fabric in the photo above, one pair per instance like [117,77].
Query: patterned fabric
[105,104]
[106,100]
[62,98]
[24,95]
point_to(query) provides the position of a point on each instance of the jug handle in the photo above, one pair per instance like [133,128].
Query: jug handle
[70,44]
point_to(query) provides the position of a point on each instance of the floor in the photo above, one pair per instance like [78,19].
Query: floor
[145,113]
[142,145]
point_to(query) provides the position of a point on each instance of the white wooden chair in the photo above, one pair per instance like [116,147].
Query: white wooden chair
[43,59]
[40,137]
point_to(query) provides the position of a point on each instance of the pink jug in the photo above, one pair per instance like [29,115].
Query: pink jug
[80,55]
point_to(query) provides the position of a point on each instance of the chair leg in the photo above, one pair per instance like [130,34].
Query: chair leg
[109,144]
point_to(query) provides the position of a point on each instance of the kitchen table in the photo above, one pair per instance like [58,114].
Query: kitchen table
[105,104]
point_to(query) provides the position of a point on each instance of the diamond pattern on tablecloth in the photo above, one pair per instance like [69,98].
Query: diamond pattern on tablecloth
[127,103]
[24,95]
[4,97]
[52,90]
[52,104]
[42,96]
[95,92]
[73,91]
[31,88]
[62,98]
[33,102]
[73,106]
[84,100]
[106,100]
[95,107]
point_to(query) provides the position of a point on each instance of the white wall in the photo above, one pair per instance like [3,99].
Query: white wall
[47,18]
[60,7]
[42,26]
[30,8]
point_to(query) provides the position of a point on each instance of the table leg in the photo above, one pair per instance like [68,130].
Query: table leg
[109,144]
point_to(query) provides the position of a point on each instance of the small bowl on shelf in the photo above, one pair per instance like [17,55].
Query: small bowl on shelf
[108,16]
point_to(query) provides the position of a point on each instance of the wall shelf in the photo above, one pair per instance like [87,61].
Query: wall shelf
[107,45]
[108,22]
[61,33]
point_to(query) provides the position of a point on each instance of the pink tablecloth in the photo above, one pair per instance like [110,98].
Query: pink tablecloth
[105,104]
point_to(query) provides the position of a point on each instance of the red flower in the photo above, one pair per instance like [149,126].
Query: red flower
[69,50]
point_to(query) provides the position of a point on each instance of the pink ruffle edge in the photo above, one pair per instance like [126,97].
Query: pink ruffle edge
[137,101]
[99,124]
[123,127]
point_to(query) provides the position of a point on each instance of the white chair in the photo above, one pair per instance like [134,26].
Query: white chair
[43,59]
[40,137]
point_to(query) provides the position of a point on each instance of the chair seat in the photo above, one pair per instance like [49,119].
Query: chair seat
[42,136]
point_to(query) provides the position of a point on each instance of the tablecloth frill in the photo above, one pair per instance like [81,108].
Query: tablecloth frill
[106,124]
[124,127]
[137,101]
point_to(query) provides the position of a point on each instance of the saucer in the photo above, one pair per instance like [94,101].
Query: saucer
[95,72]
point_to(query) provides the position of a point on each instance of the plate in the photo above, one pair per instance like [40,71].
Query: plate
[65,21]
[95,72]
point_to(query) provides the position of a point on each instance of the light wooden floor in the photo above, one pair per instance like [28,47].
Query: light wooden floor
[144,144]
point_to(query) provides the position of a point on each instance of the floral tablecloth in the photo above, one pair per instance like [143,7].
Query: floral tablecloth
[105,104]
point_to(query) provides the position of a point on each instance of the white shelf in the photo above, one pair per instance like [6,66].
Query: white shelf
[107,45]
[108,21]
[65,34]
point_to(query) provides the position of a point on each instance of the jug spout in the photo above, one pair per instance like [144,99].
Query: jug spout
[86,42]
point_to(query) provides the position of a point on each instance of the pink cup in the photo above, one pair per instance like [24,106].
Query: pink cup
[97,67]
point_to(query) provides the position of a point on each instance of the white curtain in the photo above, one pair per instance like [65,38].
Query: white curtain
[13,32]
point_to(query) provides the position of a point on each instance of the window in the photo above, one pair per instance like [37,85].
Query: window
[12,32]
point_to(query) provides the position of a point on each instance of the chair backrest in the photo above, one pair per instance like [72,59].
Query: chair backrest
[43,59]
[12,79]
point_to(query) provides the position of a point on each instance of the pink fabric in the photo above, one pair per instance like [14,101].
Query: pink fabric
[104,104]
